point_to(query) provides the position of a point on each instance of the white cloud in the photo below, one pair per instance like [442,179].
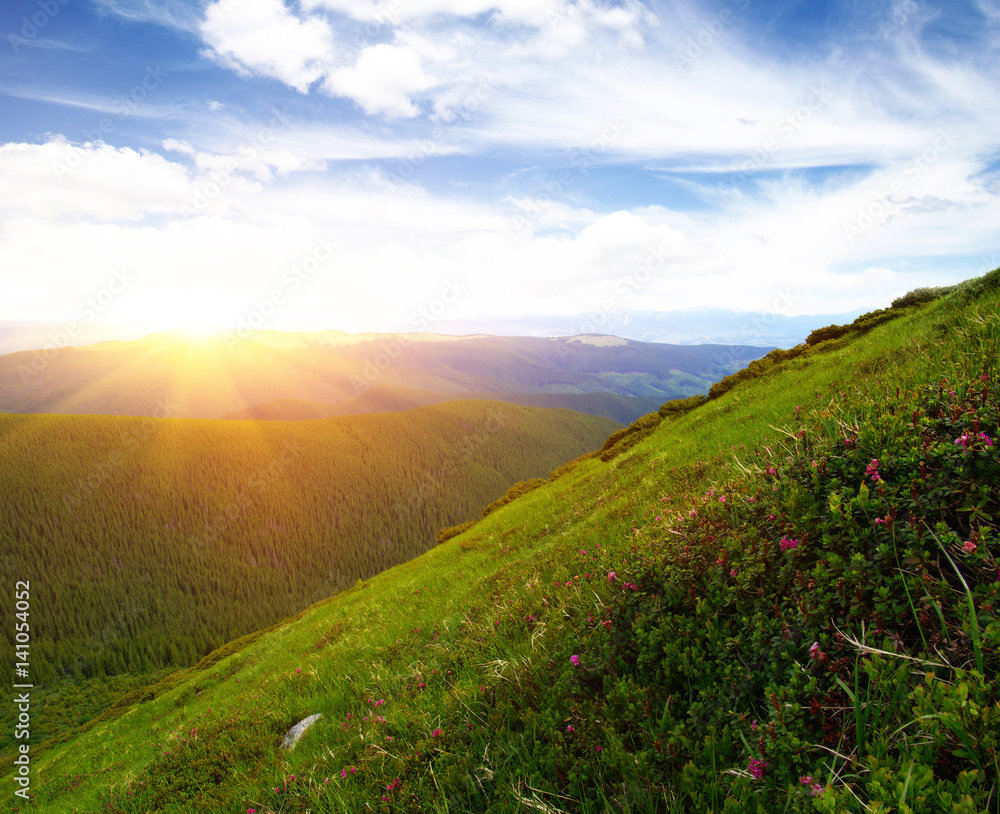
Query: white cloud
[178,146]
[383,80]
[525,12]
[263,37]
[400,243]
[91,180]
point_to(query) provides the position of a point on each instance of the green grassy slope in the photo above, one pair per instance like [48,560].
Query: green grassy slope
[781,599]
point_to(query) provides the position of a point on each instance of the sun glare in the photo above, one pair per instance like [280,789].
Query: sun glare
[199,332]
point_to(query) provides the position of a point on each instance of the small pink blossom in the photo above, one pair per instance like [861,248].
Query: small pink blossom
[815,789]
[814,651]
[575,659]
[569,728]
[967,439]
[788,544]
[757,768]
[872,470]
[612,577]
[969,547]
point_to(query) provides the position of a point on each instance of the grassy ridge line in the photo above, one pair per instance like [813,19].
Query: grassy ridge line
[470,646]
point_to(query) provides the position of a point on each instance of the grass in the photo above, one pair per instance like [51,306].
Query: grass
[758,622]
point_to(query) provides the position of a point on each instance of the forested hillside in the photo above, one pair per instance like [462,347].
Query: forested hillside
[153,541]
[623,409]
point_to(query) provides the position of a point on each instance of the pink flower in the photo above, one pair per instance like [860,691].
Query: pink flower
[815,789]
[788,544]
[575,659]
[436,733]
[872,470]
[966,439]
[569,728]
[969,547]
[753,726]
[757,768]
[814,651]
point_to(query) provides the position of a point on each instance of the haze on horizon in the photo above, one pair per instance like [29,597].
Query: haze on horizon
[352,164]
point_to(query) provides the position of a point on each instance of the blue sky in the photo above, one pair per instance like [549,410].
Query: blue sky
[348,164]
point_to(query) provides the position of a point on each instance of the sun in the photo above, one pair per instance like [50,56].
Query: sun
[196,322]
[199,332]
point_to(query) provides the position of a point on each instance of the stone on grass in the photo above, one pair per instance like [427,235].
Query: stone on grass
[297,731]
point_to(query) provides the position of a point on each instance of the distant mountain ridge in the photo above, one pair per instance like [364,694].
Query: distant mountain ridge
[686,327]
[692,326]
[171,374]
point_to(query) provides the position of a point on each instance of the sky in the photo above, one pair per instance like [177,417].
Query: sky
[391,165]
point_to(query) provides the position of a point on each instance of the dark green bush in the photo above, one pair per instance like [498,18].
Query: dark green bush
[827,333]
[453,531]
[680,406]
[628,437]
[515,491]
[919,296]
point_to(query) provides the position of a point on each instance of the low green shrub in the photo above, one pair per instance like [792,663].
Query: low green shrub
[453,531]
[515,491]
